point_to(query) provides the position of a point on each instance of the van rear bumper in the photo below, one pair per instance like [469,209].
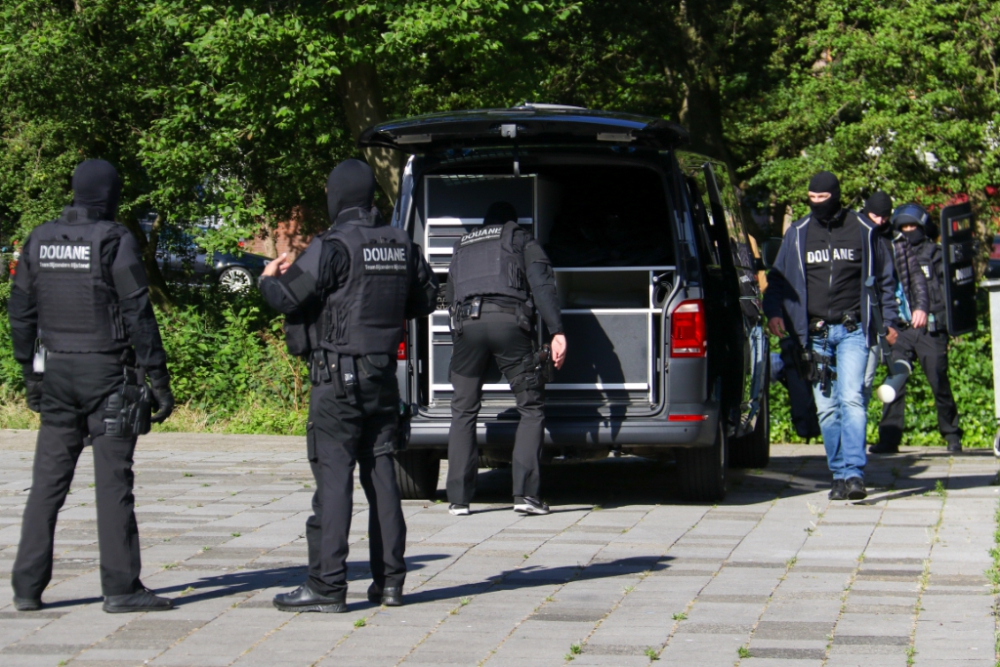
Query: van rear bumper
[581,433]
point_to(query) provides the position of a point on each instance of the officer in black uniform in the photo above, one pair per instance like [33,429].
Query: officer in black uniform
[81,289]
[498,276]
[347,298]
[929,343]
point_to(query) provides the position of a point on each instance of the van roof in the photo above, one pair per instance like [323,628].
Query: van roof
[524,125]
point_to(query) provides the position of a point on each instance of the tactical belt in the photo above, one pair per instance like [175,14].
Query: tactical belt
[850,320]
[467,311]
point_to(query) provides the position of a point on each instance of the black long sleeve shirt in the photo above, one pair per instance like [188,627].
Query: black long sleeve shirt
[117,252]
[541,280]
[334,271]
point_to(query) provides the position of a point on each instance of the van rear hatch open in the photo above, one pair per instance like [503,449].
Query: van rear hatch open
[601,212]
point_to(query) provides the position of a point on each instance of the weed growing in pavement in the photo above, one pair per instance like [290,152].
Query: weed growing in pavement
[940,490]
[464,601]
[628,589]
[187,474]
[360,623]
[576,649]
[791,562]
[679,616]
[910,655]
[234,534]
[743,652]
[651,653]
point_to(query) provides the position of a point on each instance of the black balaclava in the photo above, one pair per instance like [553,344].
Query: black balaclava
[881,205]
[915,236]
[96,186]
[500,212]
[351,184]
[824,181]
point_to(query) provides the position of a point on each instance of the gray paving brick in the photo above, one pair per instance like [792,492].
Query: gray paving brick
[746,572]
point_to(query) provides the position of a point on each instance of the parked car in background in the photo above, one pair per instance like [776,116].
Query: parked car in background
[182,260]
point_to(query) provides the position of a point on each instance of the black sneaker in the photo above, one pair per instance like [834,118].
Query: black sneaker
[458,510]
[391,596]
[305,598]
[856,489]
[529,505]
[955,446]
[27,604]
[838,490]
[142,600]
[883,448]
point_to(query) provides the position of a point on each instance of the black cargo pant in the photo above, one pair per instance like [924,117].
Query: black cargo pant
[344,431]
[498,336]
[75,389]
[931,349]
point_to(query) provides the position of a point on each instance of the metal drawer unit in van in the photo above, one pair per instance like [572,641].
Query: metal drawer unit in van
[610,311]
[453,206]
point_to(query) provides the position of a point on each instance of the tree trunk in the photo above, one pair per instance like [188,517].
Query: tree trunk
[159,291]
[362,99]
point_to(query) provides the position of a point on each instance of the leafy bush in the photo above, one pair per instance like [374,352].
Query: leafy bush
[970,368]
[228,360]
[229,367]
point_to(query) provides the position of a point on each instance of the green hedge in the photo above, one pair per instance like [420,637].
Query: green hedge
[231,373]
[229,367]
[971,372]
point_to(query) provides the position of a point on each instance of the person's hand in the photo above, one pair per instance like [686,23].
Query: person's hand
[919,319]
[891,335]
[277,266]
[776,325]
[33,391]
[163,397]
[558,350]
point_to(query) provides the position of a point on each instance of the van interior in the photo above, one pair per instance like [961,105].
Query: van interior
[606,228]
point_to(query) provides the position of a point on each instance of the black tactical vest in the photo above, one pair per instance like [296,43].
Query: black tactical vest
[77,305]
[927,253]
[366,315]
[484,263]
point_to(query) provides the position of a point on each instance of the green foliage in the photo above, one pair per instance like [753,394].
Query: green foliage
[227,358]
[892,95]
[970,369]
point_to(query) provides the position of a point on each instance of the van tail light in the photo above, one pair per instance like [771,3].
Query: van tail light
[688,337]
[401,352]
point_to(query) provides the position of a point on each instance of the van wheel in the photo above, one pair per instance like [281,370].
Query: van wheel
[701,471]
[417,474]
[754,449]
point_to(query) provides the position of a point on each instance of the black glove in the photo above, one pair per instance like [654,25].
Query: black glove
[159,384]
[33,385]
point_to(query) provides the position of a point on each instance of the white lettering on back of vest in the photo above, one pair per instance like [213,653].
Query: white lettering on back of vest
[384,258]
[64,256]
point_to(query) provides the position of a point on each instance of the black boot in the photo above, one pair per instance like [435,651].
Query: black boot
[838,490]
[856,489]
[27,604]
[390,597]
[305,598]
[955,446]
[883,448]
[142,600]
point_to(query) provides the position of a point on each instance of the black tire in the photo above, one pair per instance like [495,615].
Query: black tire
[236,279]
[753,450]
[701,471]
[417,474]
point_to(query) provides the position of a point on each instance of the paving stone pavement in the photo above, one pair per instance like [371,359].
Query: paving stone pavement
[621,573]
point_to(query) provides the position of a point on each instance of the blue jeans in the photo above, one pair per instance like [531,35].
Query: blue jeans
[841,409]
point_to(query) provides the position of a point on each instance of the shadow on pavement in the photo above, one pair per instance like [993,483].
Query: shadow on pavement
[245,581]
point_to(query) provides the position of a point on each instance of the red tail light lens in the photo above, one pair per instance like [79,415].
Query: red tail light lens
[688,337]
[401,352]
